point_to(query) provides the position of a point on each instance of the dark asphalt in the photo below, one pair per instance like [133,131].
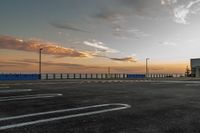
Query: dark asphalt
[156,107]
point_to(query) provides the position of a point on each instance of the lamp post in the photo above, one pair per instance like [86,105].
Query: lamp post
[40,62]
[108,70]
[147,69]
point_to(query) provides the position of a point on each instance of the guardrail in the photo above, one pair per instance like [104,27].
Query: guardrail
[48,76]
[19,76]
[106,76]
[165,75]
[82,76]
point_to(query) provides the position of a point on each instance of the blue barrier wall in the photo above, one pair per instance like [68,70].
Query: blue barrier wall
[19,76]
[135,75]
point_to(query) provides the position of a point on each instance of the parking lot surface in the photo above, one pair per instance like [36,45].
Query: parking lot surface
[100,106]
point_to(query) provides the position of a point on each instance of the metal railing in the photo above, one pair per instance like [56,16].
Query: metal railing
[82,76]
[48,76]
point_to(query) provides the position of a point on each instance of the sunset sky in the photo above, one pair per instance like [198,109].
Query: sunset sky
[90,35]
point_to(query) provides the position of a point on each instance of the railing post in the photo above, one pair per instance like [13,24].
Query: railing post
[79,76]
[47,76]
[61,76]
[91,76]
[74,75]
[54,76]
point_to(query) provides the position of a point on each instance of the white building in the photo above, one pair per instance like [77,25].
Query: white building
[195,67]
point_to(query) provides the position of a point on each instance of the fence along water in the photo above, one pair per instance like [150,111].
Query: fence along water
[49,76]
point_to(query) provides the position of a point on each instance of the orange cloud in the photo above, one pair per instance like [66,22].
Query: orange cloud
[126,59]
[8,42]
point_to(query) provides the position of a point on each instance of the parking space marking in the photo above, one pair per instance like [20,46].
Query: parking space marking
[25,97]
[15,90]
[192,85]
[121,107]
[114,81]
[4,87]
[177,81]
[41,83]
[161,83]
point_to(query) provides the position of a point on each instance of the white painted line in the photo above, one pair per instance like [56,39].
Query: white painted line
[123,106]
[41,83]
[177,81]
[59,111]
[160,83]
[25,97]
[15,90]
[192,85]
[4,87]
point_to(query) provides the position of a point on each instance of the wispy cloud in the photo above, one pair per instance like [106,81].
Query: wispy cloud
[182,11]
[129,33]
[126,59]
[100,46]
[167,43]
[46,63]
[67,26]
[14,64]
[8,42]
[117,22]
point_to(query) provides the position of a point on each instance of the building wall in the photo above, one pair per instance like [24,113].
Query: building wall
[195,67]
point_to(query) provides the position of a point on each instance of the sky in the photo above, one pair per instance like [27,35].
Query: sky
[91,35]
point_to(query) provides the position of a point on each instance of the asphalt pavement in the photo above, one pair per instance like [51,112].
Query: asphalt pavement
[100,106]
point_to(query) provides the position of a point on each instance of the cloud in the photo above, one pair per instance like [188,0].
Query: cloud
[126,59]
[49,48]
[100,46]
[145,9]
[179,9]
[166,43]
[8,42]
[47,63]
[168,2]
[67,26]
[13,64]
[133,33]
[181,12]
[117,22]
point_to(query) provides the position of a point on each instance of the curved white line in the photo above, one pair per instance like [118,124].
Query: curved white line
[124,106]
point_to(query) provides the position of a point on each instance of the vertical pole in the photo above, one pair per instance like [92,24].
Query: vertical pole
[147,69]
[40,62]
[47,76]
[109,72]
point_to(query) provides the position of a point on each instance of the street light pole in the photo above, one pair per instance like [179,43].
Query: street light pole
[40,62]
[147,69]
[109,70]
